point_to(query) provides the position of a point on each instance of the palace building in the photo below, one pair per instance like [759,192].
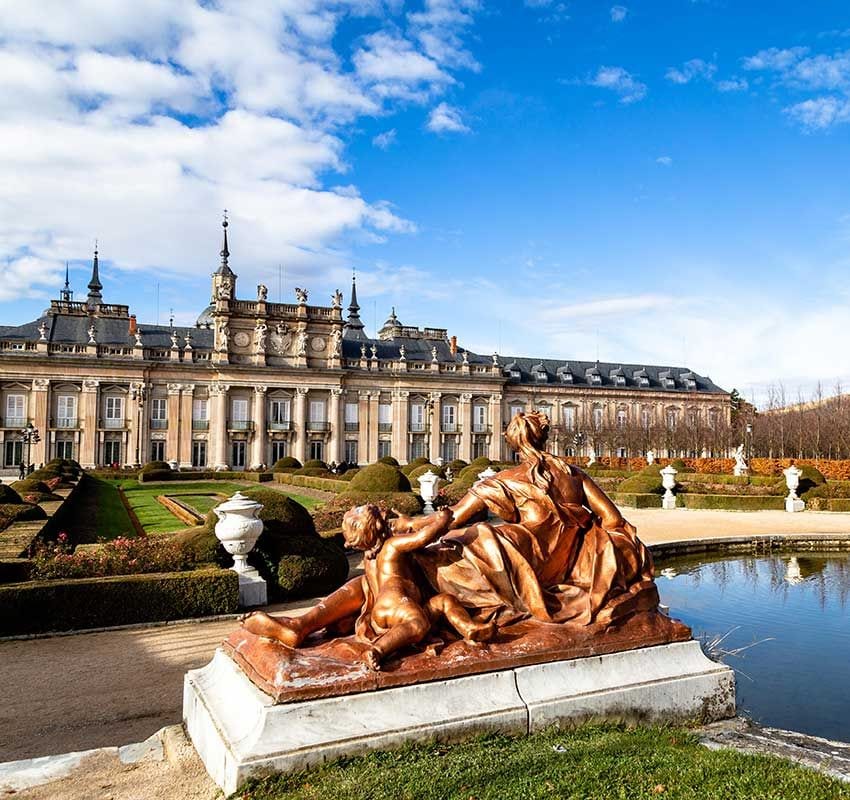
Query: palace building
[254,381]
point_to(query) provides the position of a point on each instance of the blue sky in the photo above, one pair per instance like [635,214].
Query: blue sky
[652,182]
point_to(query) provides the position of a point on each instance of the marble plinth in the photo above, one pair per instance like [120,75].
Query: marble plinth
[253,590]
[240,731]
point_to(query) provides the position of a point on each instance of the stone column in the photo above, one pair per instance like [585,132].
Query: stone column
[90,415]
[363,427]
[172,439]
[218,425]
[401,420]
[495,427]
[130,458]
[335,421]
[299,424]
[436,422]
[184,446]
[464,412]
[374,401]
[258,445]
[41,420]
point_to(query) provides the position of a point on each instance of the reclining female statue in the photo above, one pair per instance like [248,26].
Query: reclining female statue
[563,554]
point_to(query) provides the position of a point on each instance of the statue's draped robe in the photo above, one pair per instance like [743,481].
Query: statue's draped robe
[551,560]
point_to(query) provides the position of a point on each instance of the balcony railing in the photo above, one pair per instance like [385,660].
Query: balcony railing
[200,424]
[113,423]
[240,425]
[450,427]
[385,427]
[352,426]
[281,425]
[66,422]
[14,422]
[159,424]
[480,427]
[417,427]
[318,425]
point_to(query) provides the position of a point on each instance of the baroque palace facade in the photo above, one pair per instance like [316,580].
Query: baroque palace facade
[254,381]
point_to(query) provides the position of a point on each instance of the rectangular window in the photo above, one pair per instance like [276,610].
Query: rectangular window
[384,448]
[13,453]
[350,451]
[66,412]
[449,449]
[200,414]
[317,450]
[479,448]
[64,448]
[199,453]
[238,454]
[622,419]
[569,414]
[112,450]
[516,409]
[279,413]
[646,419]
[417,418]
[597,418]
[15,414]
[671,420]
[450,419]
[158,451]
[280,449]
[317,411]
[114,416]
[479,419]
[239,414]
[159,415]
[417,447]
[385,417]
[351,411]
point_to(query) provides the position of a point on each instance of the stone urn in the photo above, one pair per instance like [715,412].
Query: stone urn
[428,484]
[238,529]
[792,481]
[668,481]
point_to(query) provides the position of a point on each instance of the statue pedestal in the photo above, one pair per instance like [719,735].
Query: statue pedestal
[240,731]
[253,590]
[794,504]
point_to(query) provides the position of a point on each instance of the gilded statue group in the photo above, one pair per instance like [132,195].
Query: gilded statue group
[552,547]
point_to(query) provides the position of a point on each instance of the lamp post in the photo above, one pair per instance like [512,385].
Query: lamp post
[749,435]
[578,441]
[30,436]
[139,393]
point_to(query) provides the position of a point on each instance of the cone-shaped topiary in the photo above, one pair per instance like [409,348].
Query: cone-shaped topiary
[286,463]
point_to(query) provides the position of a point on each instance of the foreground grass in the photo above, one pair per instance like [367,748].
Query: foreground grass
[593,762]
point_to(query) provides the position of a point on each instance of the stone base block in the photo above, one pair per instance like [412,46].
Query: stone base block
[240,732]
[253,590]
[794,505]
[668,503]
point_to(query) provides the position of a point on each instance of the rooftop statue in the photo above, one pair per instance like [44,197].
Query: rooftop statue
[564,555]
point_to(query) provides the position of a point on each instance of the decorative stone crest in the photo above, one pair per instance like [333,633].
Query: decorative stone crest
[92,331]
[336,299]
[301,296]
[262,293]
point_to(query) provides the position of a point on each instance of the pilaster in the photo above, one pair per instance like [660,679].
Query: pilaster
[184,442]
[401,419]
[335,419]
[495,427]
[435,421]
[363,426]
[299,424]
[374,416]
[464,411]
[90,414]
[258,445]
[218,425]
[41,419]
[172,439]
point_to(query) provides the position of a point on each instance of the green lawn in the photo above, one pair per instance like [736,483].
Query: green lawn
[155,518]
[593,762]
[97,513]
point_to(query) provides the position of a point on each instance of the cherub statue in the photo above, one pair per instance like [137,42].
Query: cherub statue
[495,359]
[336,299]
[92,332]
[302,343]
[262,293]
[138,335]
[393,612]
[173,336]
[300,295]
[465,357]
[362,351]
[401,353]
[42,332]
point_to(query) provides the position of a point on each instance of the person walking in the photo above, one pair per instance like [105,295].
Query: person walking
[22,473]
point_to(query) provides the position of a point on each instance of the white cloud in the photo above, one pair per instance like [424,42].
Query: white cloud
[385,140]
[665,161]
[774,58]
[612,306]
[621,82]
[138,120]
[820,113]
[695,68]
[446,119]
[733,85]
[618,13]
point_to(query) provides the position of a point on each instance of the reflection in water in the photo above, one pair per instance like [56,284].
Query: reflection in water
[799,603]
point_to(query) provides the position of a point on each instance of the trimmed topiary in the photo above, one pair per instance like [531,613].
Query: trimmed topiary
[34,491]
[388,460]
[314,472]
[481,461]
[413,475]
[457,465]
[314,463]
[380,478]
[651,469]
[641,484]
[470,473]
[286,463]
[310,566]
[8,495]
[411,465]
[679,465]
[202,546]
[155,466]
[349,474]
[19,512]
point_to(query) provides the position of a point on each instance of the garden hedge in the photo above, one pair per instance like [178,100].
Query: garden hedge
[8,495]
[41,606]
[315,463]
[287,462]
[411,465]
[310,566]
[323,484]
[636,500]
[199,475]
[642,484]
[727,502]
[313,472]
[388,460]
[413,475]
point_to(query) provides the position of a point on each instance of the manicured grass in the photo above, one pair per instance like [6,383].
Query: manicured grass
[593,762]
[96,512]
[202,503]
[155,518]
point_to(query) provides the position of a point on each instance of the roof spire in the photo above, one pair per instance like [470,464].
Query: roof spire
[224,267]
[66,295]
[95,298]
[353,325]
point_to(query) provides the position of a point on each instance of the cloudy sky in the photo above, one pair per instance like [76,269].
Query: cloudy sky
[662,182]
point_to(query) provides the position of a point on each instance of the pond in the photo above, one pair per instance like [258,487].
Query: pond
[784,621]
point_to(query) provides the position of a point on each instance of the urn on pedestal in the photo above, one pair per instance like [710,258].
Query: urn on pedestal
[668,481]
[792,481]
[428,490]
[238,529]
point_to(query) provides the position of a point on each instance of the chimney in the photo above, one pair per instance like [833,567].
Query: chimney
[453,345]
[132,324]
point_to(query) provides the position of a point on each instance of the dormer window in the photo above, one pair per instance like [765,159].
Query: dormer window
[541,377]
[643,381]
[596,380]
[620,380]
[690,383]
[566,377]
[514,373]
